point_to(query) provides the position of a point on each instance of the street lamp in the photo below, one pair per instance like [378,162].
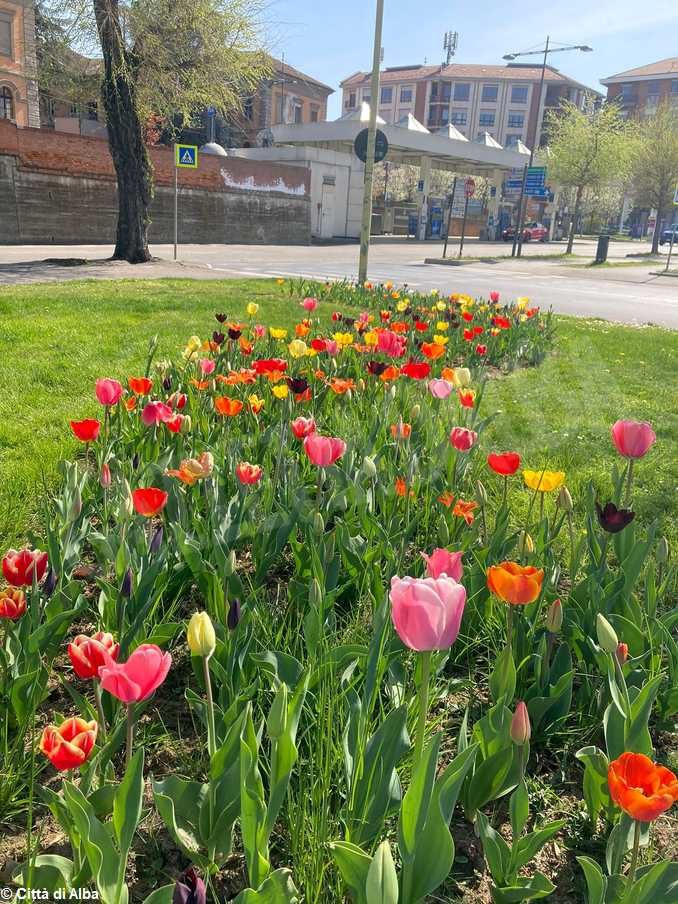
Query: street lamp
[545,51]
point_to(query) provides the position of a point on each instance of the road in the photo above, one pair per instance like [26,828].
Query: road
[625,294]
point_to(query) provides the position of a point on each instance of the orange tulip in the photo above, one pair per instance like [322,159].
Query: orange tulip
[401,430]
[446,499]
[432,351]
[69,745]
[12,603]
[643,789]
[340,386]
[227,406]
[140,385]
[465,510]
[391,373]
[515,584]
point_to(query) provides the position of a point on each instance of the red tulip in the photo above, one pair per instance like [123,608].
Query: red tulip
[88,654]
[107,391]
[643,789]
[504,463]
[86,431]
[323,451]
[417,370]
[139,677]
[248,474]
[148,501]
[12,603]
[494,297]
[20,568]
[69,745]
[303,427]
[269,365]
[463,439]
[140,385]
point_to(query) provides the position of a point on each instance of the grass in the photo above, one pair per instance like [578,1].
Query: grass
[58,338]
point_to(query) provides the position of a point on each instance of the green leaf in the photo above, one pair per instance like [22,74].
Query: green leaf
[519,808]
[50,871]
[127,803]
[487,782]
[596,882]
[596,790]
[503,677]
[353,865]
[496,850]
[658,883]
[178,802]
[524,890]
[381,886]
[637,735]
[527,847]
[163,895]
[415,805]
[277,889]
[252,805]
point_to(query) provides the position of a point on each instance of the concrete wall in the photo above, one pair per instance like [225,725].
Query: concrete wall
[61,188]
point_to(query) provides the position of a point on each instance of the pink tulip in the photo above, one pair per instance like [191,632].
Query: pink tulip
[520,729]
[463,439]
[426,612]
[136,679]
[259,331]
[108,392]
[494,297]
[207,367]
[331,347]
[633,439]
[105,476]
[155,413]
[390,343]
[439,389]
[303,427]
[442,563]
[309,304]
[323,451]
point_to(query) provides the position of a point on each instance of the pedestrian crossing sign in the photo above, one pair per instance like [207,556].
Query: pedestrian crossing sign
[186,155]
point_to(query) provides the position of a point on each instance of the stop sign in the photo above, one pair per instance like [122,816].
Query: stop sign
[469,187]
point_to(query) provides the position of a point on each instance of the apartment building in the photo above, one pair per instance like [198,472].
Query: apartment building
[641,90]
[18,85]
[502,101]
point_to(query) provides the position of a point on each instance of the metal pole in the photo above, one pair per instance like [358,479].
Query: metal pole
[668,259]
[449,216]
[371,143]
[534,140]
[519,218]
[176,203]
[463,227]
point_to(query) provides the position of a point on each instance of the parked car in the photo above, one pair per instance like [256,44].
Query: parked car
[666,235]
[532,232]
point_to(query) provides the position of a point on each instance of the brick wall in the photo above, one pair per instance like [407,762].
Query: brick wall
[60,188]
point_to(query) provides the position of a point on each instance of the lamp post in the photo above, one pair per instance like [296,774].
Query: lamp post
[547,49]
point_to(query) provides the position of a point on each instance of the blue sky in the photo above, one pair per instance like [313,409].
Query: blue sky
[330,39]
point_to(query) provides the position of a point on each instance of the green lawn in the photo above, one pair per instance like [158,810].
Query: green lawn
[58,338]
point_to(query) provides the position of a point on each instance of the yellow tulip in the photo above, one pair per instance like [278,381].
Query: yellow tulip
[280,391]
[252,308]
[544,481]
[440,305]
[343,339]
[297,348]
[440,340]
[402,305]
[442,326]
[371,338]
[462,377]
[200,635]
[522,303]
[277,332]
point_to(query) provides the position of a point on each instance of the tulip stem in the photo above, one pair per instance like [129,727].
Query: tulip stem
[130,734]
[100,709]
[423,706]
[211,730]
[634,855]
[629,483]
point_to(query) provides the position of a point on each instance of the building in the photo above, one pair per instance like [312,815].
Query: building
[641,90]
[501,101]
[18,67]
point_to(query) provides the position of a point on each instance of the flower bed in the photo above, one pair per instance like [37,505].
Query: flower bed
[295,548]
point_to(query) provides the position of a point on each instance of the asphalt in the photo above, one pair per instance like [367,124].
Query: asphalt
[628,294]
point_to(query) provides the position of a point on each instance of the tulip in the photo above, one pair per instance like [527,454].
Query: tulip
[193,469]
[642,789]
[234,614]
[565,500]
[200,635]
[12,603]
[494,297]
[86,431]
[189,887]
[207,366]
[323,451]
[126,585]
[504,463]
[303,427]
[252,308]
[401,430]
[105,476]
[69,745]
[248,474]
[89,654]
[463,439]
[50,583]
[309,304]
[621,653]
[427,612]
[138,677]
[633,439]
[369,468]
[439,389]
[23,567]
[518,585]
[155,413]
[442,563]
[462,377]
[612,519]
[149,501]
[554,617]
[140,385]
[156,540]
[108,392]
[607,636]
[544,481]
[520,725]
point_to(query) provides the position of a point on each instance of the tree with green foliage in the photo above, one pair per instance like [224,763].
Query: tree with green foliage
[163,61]
[655,173]
[589,149]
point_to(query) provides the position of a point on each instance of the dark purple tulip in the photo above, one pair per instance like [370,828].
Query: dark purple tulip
[135,461]
[218,337]
[221,317]
[234,334]
[234,614]
[297,384]
[167,384]
[349,321]
[126,586]
[613,519]
[376,368]
[156,540]
[50,583]
[189,889]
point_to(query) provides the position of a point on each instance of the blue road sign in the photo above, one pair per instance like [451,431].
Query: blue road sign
[186,156]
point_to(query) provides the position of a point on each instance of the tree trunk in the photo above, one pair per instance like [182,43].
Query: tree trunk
[125,138]
[656,234]
[575,217]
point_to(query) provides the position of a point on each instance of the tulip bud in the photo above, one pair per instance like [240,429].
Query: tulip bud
[126,585]
[392,392]
[607,636]
[135,461]
[276,723]
[167,384]
[186,424]
[230,564]
[361,385]
[349,394]
[200,635]
[554,617]
[127,504]
[481,493]
[234,614]
[76,505]
[49,584]
[318,523]
[443,533]
[105,476]
[315,594]
[416,411]
[663,550]
[525,543]
[520,725]
[189,889]
[156,540]
[369,468]
[621,653]
[565,500]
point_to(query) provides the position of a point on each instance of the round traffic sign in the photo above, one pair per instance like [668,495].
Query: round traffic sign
[380,146]
[469,187]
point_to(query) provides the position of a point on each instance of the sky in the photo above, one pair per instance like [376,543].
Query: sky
[331,39]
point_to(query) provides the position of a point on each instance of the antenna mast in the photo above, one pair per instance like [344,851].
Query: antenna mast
[450,42]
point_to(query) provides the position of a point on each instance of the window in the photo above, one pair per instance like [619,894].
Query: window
[486,118]
[516,120]
[367,97]
[553,95]
[93,111]
[518,94]
[512,140]
[489,95]
[386,95]
[441,91]
[481,136]
[6,104]
[458,118]
[405,95]
[627,90]
[674,86]
[6,21]
[314,114]
[462,91]
[351,99]
[298,113]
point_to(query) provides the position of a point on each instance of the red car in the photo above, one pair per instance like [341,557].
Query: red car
[532,232]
